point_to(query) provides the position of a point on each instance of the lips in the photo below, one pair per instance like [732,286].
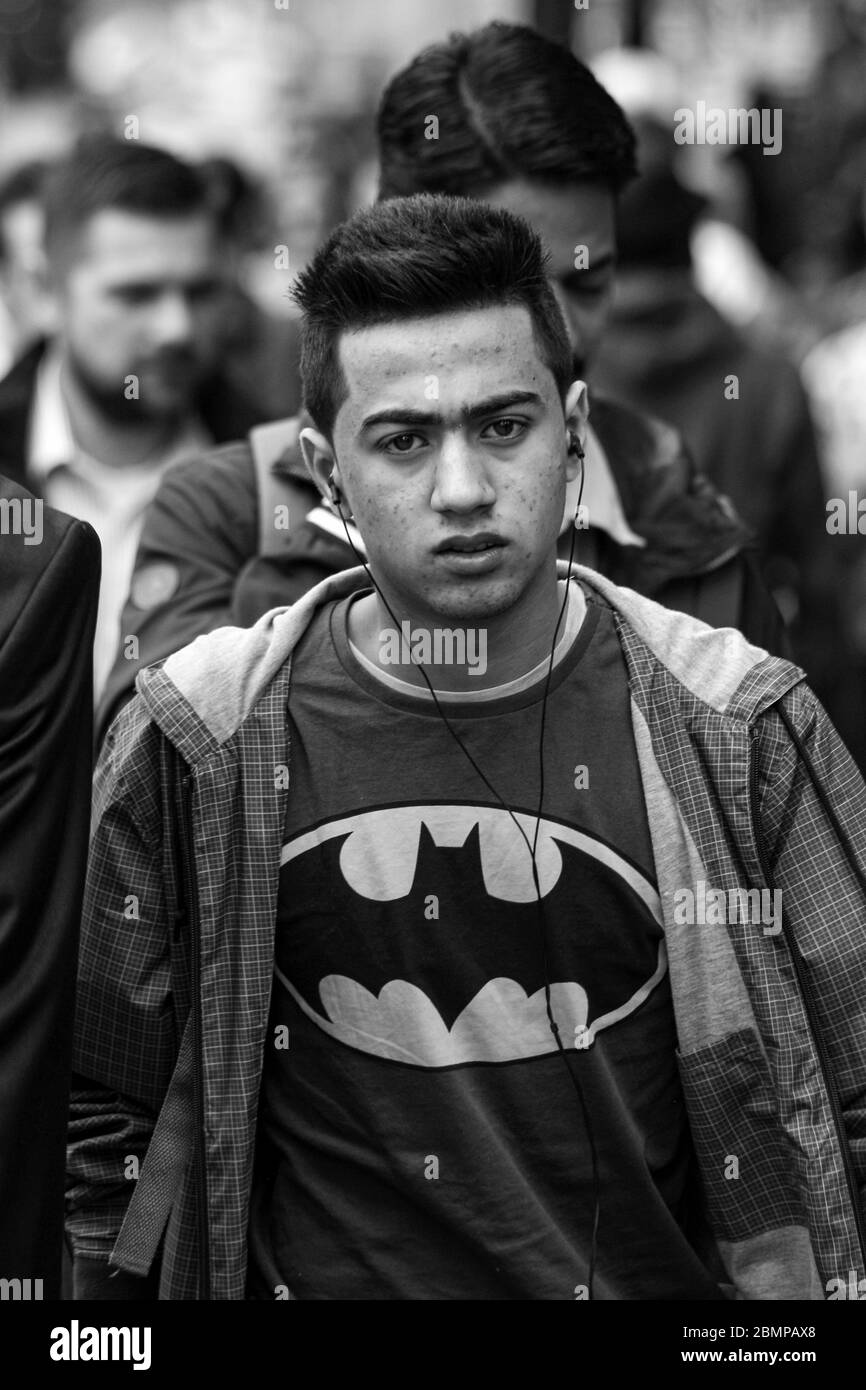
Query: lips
[469,545]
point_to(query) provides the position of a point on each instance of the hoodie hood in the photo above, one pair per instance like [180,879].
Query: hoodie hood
[221,676]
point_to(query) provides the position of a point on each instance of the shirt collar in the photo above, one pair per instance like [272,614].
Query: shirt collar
[50,443]
[600,495]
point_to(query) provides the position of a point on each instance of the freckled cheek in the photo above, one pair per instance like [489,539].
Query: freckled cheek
[542,494]
[386,514]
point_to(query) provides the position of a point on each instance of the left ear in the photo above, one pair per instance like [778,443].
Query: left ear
[576,409]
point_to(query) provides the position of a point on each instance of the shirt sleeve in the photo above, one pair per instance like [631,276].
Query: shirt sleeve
[126,1032]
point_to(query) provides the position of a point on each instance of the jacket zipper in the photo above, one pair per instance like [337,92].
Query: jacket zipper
[808,996]
[199,1152]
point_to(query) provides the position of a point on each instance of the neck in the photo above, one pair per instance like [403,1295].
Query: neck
[466,654]
[119,443]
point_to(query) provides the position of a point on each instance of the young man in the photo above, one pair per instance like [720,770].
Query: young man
[400,980]
[91,420]
[214,549]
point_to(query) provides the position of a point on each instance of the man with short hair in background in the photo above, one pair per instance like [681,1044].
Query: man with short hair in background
[91,420]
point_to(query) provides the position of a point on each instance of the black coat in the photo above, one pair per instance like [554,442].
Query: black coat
[48,600]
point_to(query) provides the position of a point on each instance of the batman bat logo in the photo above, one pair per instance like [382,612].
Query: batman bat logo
[367,959]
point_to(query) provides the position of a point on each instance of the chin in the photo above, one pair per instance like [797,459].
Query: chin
[474,600]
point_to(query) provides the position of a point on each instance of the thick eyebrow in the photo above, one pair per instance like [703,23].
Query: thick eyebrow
[401,415]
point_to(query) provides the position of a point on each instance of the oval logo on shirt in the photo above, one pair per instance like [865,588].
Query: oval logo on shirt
[154,584]
[384,974]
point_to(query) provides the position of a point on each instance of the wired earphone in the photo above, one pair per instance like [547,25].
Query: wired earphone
[336,497]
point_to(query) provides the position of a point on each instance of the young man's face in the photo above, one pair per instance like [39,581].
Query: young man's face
[577,223]
[139,297]
[451,451]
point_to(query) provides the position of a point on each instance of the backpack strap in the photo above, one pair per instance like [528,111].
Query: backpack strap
[274,487]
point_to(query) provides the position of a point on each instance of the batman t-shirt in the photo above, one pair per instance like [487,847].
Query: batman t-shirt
[422,1135]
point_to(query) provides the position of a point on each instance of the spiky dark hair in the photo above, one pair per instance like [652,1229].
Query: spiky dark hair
[412,258]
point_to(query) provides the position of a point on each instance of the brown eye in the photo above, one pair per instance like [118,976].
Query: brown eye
[506,428]
[405,443]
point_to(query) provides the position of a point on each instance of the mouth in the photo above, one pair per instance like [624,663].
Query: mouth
[471,555]
[169,368]
[470,545]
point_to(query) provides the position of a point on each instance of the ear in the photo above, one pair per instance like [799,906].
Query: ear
[576,409]
[320,459]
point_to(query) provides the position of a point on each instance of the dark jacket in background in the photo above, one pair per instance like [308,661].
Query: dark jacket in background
[198,566]
[48,600]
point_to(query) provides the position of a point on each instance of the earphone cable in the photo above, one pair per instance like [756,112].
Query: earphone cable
[532,848]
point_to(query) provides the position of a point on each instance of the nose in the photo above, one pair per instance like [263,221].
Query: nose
[461,483]
[172,318]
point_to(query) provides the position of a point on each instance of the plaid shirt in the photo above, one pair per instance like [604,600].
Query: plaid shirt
[753,1082]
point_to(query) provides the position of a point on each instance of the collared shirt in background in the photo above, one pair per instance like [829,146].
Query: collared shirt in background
[112,497]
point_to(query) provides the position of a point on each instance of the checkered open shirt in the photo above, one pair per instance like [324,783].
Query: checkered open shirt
[752,1079]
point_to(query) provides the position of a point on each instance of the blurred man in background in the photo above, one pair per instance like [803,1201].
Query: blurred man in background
[49,586]
[512,130]
[523,125]
[92,419]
